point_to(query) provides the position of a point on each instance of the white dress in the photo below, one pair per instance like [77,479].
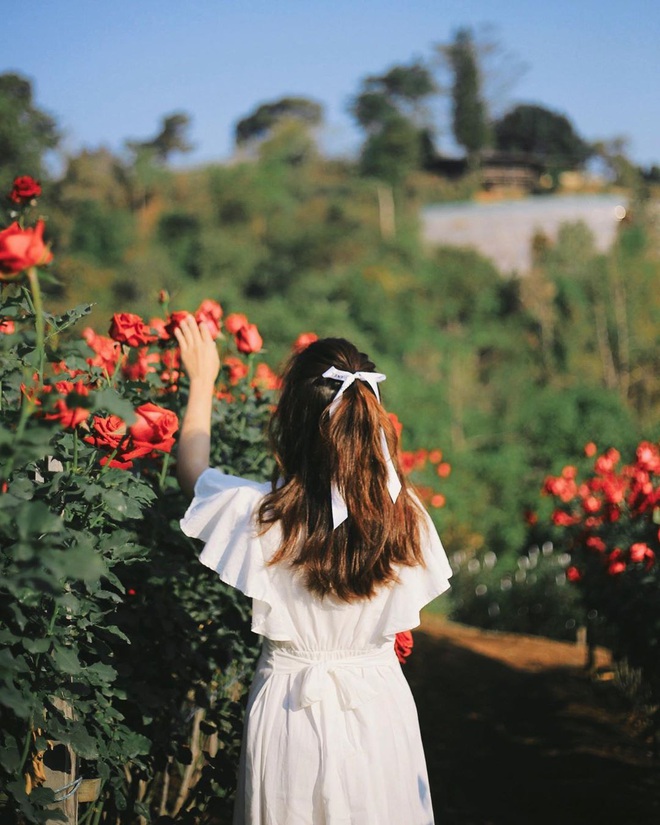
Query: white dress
[332,735]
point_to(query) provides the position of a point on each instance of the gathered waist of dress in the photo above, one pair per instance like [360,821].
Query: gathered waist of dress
[283,656]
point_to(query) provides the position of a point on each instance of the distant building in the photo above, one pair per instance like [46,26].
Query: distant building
[511,170]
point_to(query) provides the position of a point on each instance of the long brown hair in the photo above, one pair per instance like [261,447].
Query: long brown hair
[312,449]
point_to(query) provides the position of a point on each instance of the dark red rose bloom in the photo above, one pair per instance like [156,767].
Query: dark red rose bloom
[110,433]
[209,314]
[265,378]
[157,326]
[236,369]
[66,412]
[403,645]
[130,329]
[398,426]
[139,363]
[573,574]
[107,352]
[174,322]
[154,428]
[248,339]
[22,248]
[234,322]
[25,189]
[304,340]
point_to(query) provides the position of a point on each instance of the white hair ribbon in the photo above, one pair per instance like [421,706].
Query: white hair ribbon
[339,509]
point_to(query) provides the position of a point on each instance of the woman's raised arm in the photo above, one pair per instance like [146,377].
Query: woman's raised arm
[200,359]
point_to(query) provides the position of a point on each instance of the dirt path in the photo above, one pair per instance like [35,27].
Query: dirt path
[516,733]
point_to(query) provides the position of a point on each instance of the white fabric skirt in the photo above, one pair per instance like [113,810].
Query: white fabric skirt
[331,738]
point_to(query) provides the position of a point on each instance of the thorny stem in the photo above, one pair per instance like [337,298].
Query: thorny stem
[38,320]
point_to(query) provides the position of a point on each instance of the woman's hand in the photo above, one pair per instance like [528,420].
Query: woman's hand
[200,359]
[199,353]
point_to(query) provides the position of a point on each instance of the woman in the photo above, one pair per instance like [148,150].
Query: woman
[338,555]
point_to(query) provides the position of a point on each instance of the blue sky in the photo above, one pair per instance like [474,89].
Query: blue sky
[110,71]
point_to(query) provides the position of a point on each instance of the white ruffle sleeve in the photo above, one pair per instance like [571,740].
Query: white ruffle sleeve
[417,585]
[221,514]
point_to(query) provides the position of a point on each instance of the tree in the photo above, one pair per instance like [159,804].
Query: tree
[26,132]
[171,138]
[469,113]
[542,132]
[260,123]
[390,108]
[393,152]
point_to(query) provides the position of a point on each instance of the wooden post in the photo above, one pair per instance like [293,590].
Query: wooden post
[60,770]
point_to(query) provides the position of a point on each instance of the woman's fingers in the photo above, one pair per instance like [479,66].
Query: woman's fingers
[199,353]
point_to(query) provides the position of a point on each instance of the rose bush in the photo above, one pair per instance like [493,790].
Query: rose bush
[606,516]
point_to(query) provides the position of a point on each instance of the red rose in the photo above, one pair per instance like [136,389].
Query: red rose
[438,500]
[562,519]
[398,426]
[236,369]
[590,449]
[234,322]
[139,363]
[435,456]
[596,543]
[22,248]
[573,574]
[106,351]
[157,326]
[209,314]
[265,378]
[174,322]
[403,645]
[407,460]
[443,469]
[171,360]
[110,433]
[154,428]
[248,339]
[25,189]
[7,326]
[641,552]
[130,329]
[66,412]
[304,340]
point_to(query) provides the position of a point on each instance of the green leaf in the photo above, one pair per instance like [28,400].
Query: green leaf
[66,660]
[82,742]
[20,703]
[36,645]
[121,505]
[113,403]
[105,673]
[36,518]
[10,758]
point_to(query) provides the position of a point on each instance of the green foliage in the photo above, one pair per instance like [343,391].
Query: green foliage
[542,132]
[115,640]
[171,138]
[469,115]
[26,131]
[393,152]
[260,123]
[390,109]
[99,233]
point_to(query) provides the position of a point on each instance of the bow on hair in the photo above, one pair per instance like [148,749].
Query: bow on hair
[339,509]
